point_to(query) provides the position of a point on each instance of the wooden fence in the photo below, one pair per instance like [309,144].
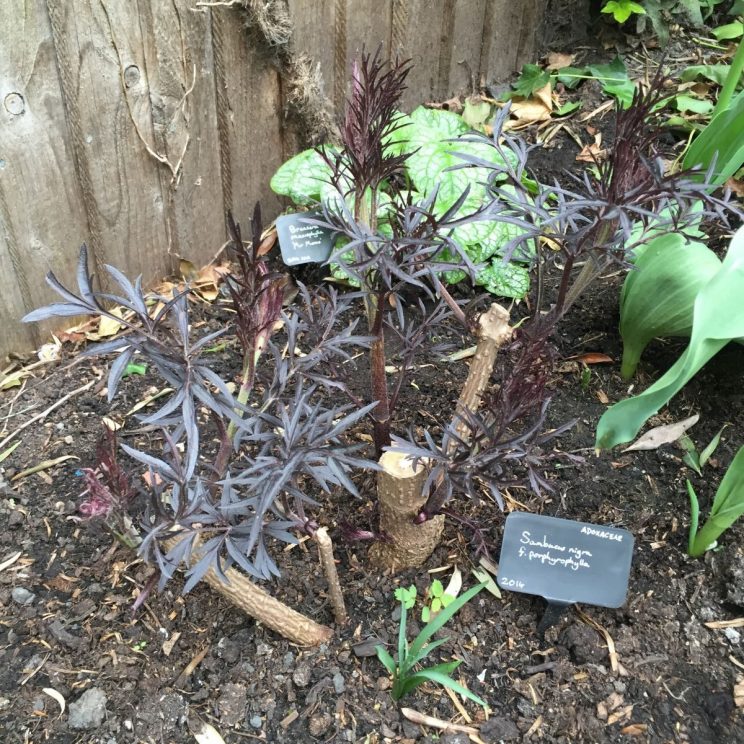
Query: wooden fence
[132,125]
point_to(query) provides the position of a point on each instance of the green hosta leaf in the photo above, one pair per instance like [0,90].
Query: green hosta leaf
[718,319]
[622,9]
[728,506]
[722,139]
[533,78]
[504,280]
[614,80]
[658,296]
[302,177]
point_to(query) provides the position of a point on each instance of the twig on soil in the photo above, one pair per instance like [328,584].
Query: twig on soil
[614,665]
[336,596]
[45,413]
[189,668]
[423,720]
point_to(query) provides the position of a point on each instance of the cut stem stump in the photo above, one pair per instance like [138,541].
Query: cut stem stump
[264,608]
[400,489]
[400,486]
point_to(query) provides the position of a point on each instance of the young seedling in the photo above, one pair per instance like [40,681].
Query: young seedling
[406,677]
[727,507]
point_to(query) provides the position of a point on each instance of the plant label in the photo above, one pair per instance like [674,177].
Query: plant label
[303,243]
[565,561]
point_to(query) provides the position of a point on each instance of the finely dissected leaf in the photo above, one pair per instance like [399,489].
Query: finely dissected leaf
[728,506]
[660,435]
[718,319]
[721,141]
[302,177]
[532,78]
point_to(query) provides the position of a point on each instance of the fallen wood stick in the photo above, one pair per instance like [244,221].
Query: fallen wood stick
[336,596]
[264,608]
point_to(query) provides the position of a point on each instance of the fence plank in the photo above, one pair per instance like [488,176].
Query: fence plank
[102,66]
[42,220]
[179,59]
[251,115]
[509,35]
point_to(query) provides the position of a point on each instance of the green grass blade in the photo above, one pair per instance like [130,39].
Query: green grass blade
[438,622]
[446,681]
[694,517]
[386,659]
[705,455]
[402,645]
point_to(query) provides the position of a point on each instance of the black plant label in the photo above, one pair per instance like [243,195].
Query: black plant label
[301,242]
[565,561]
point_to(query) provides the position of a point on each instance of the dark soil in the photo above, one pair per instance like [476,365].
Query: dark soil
[196,658]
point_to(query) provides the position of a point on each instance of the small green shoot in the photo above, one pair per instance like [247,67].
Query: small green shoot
[135,369]
[697,460]
[437,599]
[728,506]
[621,10]
[405,677]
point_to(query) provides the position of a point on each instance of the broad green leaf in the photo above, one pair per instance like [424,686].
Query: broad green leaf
[690,103]
[436,589]
[476,113]
[658,295]
[733,30]
[614,80]
[718,319]
[532,78]
[722,139]
[504,280]
[728,506]
[396,139]
[714,73]
[567,108]
[691,458]
[572,77]
[406,596]
[302,177]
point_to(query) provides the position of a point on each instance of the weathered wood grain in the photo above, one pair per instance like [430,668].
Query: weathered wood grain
[178,55]
[100,54]
[251,112]
[133,125]
[42,220]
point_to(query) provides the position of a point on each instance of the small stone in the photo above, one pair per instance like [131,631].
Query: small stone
[732,634]
[16,518]
[263,649]
[231,704]
[39,705]
[22,596]
[256,722]
[499,729]
[4,703]
[301,675]
[383,683]
[319,724]
[387,732]
[339,683]
[89,710]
